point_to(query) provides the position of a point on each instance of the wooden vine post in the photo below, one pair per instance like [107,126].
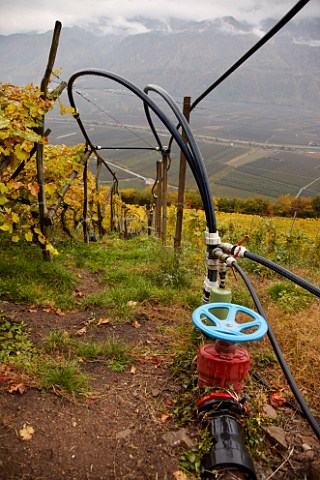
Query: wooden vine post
[45,221]
[101,229]
[164,182]
[182,181]
[158,200]
[85,215]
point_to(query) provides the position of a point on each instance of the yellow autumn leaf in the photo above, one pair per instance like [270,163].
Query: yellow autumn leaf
[20,154]
[178,475]
[28,236]
[50,248]
[15,217]
[3,188]
[64,109]
[26,432]
[41,238]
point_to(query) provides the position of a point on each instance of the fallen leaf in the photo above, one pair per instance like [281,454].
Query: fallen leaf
[32,310]
[26,432]
[169,402]
[48,310]
[103,321]
[164,417]
[89,402]
[89,321]
[136,324]
[131,303]
[277,399]
[60,312]
[82,331]
[77,293]
[178,475]
[156,362]
[133,370]
[19,387]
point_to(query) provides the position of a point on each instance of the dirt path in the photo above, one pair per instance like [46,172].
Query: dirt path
[116,434]
[119,432]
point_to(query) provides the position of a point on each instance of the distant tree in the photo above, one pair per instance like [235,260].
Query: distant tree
[255,206]
[193,199]
[283,205]
[228,205]
[303,207]
[316,205]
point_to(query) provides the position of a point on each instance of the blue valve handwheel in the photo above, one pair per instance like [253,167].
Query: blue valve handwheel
[229,329]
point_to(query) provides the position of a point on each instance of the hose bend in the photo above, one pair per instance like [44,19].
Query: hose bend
[197,165]
[291,381]
[284,272]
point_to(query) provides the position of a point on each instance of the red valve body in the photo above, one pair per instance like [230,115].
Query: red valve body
[222,367]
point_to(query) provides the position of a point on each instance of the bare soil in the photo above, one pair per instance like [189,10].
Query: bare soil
[117,433]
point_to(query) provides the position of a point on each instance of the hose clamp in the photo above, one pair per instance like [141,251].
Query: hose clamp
[212,238]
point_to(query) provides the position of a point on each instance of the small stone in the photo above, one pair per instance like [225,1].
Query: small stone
[177,438]
[277,435]
[269,411]
[309,440]
[123,434]
[306,447]
[155,393]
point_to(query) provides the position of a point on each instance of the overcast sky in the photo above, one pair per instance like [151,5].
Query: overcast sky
[21,16]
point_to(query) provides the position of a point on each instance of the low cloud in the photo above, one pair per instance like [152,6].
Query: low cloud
[19,16]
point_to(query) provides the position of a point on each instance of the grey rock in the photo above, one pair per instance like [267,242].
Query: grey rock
[178,438]
[124,434]
[269,411]
[277,435]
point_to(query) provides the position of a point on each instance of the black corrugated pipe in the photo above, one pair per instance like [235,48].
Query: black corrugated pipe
[284,272]
[291,381]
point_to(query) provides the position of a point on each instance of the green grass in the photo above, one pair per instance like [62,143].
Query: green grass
[62,374]
[57,341]
[15,346]
[26,278]
[290,297]
[113,350]
[139,270]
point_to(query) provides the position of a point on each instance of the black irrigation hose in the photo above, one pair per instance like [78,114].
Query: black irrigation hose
[198,167]
[153,106]
[291,381]
[252,50]
[284,272]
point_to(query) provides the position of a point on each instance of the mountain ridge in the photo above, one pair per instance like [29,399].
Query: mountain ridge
[184,57]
